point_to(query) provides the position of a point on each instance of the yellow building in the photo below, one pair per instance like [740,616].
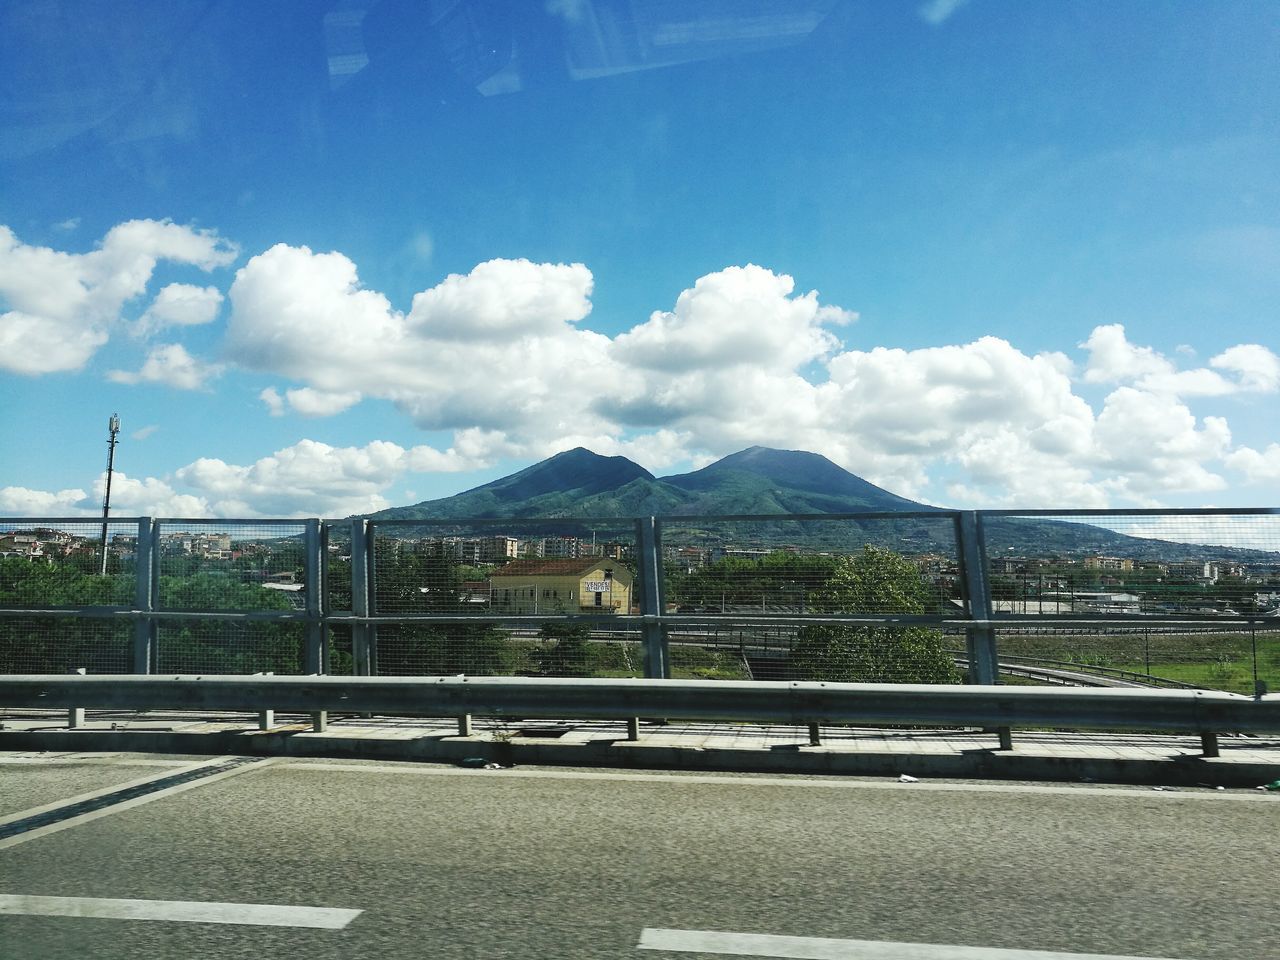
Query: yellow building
[583,585]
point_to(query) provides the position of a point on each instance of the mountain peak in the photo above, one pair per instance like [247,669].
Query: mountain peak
[578,470]
[815,483]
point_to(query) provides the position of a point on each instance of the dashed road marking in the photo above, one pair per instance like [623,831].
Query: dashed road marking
[185,911]
[821,948]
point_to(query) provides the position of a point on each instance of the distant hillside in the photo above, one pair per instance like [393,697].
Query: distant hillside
[579,483]
[763,481]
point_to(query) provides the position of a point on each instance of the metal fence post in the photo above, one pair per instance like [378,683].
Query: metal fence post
[361,632]
[144,597]
[657,663]
[314,658]
[980,641]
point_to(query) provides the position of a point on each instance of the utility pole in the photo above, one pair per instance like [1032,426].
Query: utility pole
[113,429]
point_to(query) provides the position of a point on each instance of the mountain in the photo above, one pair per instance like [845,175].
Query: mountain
[579,483]
[763,481]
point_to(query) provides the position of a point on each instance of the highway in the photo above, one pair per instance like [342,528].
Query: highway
[412,861]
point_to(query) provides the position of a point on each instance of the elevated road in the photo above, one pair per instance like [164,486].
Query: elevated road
[341,860]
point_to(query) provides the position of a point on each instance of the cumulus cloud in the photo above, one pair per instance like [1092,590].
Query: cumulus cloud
[180,305]
[1257,466]
[171,365]
[24,502]
[321,403]
[740,315]
[497,349]
[501,357]
[61,307]
[1246,368]
[306,479]
[274,402]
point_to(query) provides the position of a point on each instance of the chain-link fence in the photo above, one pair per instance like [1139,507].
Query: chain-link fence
[1192,564]
[1231,658]
[32,644]
[843,566]
[228,647]
[491,583]
[230,565]
[1143,597]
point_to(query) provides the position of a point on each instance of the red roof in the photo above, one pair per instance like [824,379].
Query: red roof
[534,567]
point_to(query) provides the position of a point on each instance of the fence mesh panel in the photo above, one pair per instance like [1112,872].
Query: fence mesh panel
[813,651]
[64,644]
[516,568]
[1199,565]
[1223,657]
[336,577]
[810,566]
[556,649]
[58,563]
[229,647]
[230,566]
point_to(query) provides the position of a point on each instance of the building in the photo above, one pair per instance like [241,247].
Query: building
[1108,563]
[581,585]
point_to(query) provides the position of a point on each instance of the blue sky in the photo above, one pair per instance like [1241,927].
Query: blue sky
[327,257]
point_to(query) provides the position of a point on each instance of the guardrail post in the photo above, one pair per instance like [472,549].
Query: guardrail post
[362,647]
[75,715]
[657,664]
[266,718]
[144,597]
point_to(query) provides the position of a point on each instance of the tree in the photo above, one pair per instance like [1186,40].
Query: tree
[566,650]
[873,581]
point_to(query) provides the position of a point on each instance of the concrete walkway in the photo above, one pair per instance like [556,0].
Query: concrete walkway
[957,753]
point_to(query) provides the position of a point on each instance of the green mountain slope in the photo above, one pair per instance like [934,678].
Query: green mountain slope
[762,481]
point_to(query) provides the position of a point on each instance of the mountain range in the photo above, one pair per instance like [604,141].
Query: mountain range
[580,483]
[762,481]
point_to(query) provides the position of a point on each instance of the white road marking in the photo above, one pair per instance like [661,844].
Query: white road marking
[187,911]
[820,948]
[797,780]
[122,805]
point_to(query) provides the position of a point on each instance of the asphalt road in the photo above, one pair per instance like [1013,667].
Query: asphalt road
[446,863]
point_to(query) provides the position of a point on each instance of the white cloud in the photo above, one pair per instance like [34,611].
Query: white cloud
[740,315]
[23,502]
[1250,368]
[306,479]
[495,349]
[150,497]
[1257,466]
[143,433]
[180,305]
[273,400]
[321,403]
[63,306]
[500,357]
[1256,367]
[1113,359]
[171,365]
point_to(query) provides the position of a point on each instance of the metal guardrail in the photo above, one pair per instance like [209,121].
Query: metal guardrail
[1200,711]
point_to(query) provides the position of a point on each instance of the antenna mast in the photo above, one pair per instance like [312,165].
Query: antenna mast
[113,428]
